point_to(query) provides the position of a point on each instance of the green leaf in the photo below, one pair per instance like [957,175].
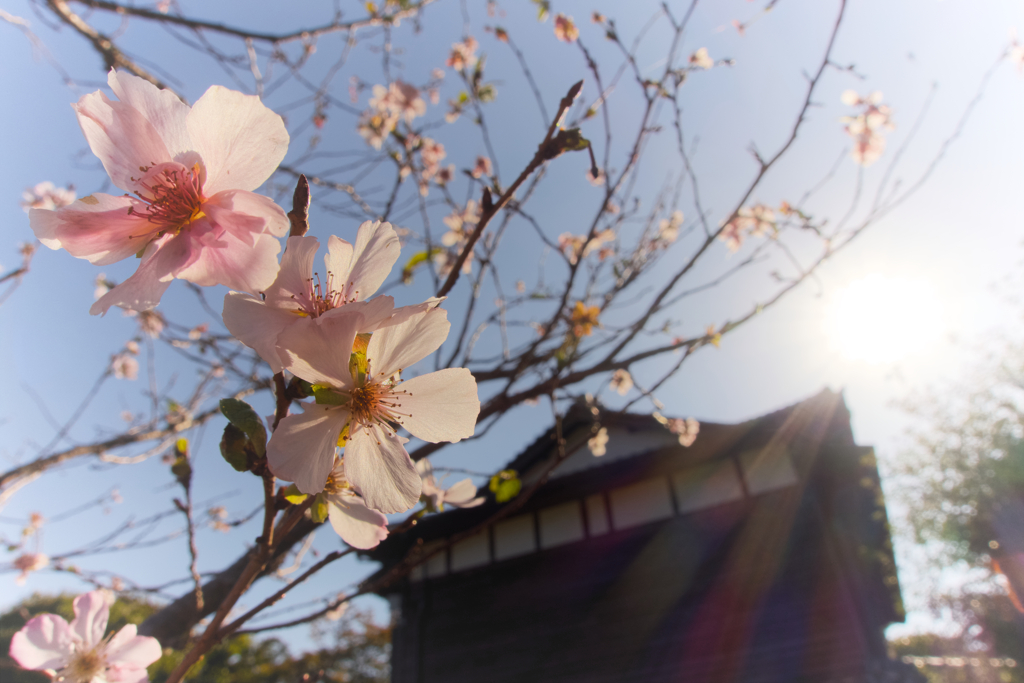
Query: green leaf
[319,509]
[487,93]
[574,140]
[240,414]
[234,446]
[416,260]
[182,470]
[293,495]
[506,485]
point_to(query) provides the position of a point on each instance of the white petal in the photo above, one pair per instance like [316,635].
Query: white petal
[402,341]
[358,525]
[364,268]
[92,610]
[441,406]
[377,464]
[289,289]
[162,108]
[241,140]
[318,349]
[129,650]
[258,325]
[302,447]
[121,137]
[462,495]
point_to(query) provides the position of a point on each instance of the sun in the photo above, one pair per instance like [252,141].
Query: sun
[883,319]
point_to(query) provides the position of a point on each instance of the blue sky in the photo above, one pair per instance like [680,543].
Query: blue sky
[958,236]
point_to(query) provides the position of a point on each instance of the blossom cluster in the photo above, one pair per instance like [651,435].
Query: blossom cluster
[754,221]
[190,212]
[865,128]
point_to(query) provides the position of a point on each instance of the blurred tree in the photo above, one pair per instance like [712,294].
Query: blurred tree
[962,486]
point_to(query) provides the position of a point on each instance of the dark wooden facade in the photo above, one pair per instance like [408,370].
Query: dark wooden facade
[759,554]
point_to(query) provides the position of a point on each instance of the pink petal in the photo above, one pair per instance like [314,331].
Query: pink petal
[224,259]
[92,610]
[240,140]
[127,650]
[143,290]
[461,495]
[364,268]
[45,642]
[242,212]
[117,674]
[121,137]
[442,405]
[258,325]
[98,228]
[289,289]
[403,340]
[358,525]
[302,447]
[318,350]
[377,464]
[162,108]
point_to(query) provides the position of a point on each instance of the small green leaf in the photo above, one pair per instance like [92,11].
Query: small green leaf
[574,140]
[234,446]
[293,495]
[486,93]
[416,260]
[240,414]
[506,485]
[319,509]
[182,470]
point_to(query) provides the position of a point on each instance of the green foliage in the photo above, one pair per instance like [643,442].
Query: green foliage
[241,415]
[506,485]
[353,649]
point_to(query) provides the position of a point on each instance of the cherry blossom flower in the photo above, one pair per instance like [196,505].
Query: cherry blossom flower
[460,495]
[460,227]
[28,563]
[754,221]
[598,443]
[151,323]
[462,54]
[78,652]
[190,171]
[365,396]
[299,297]
[598,180]
[686,430]
[571,245]
[583,319]
[358,525]
[47,196]
[621,382]
[376,126]
[668,230]
[597,18]
[864,128]
[399,99]
[482,168]
[124,366]
[701,60]
[565,29]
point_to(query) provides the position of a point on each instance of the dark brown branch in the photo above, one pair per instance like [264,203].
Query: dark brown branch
[301,34]
[112,56]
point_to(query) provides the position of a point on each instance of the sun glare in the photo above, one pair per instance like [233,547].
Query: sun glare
[881,319]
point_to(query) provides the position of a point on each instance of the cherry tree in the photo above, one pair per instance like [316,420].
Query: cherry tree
[580,254]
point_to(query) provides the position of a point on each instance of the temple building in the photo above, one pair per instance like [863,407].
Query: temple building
[760,553]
